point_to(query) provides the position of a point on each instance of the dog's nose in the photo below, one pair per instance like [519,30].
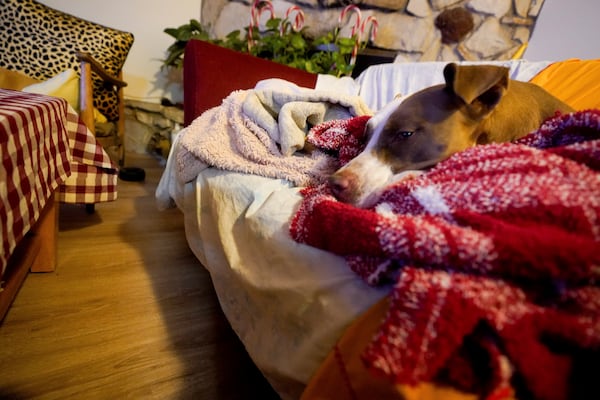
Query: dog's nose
[340,186]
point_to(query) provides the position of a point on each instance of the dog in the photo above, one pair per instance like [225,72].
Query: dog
[477,104]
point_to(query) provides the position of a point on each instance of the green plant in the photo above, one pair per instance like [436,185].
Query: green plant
[182,34]
[290,48]
[333,55]
[326,54]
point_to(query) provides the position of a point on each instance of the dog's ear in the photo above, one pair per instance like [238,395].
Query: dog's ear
[480,86]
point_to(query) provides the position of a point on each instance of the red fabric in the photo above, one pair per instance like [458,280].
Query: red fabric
[211,73]
[498,246]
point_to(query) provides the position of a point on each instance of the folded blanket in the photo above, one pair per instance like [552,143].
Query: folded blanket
[286,114]
[260,131]
[494,257]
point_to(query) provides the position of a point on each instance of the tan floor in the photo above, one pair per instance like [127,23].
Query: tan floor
[129,313]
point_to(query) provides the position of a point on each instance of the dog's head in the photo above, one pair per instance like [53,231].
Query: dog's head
[422,130]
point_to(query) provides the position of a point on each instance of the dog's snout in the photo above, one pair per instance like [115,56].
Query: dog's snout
[341,186]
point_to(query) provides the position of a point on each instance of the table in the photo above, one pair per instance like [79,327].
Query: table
[47,154]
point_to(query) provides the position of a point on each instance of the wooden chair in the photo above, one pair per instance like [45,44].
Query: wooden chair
[86,97]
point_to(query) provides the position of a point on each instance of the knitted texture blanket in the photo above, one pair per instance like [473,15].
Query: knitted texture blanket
[261,132]
[493,257]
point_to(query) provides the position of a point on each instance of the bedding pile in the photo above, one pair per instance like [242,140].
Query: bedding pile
[494,258]
[262,132]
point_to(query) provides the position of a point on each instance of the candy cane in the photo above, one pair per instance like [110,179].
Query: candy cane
[372,21]
[356,11]
[372,35]
[373,28]
[257,9]
[354,54]
[298,20]
[355,33]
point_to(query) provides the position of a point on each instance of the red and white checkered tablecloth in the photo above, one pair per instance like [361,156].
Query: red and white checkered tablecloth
[44,148]
[93,174]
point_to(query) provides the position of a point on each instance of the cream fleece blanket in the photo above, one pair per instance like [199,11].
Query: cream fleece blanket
[261,131]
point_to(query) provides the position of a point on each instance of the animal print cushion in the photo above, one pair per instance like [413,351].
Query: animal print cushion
[41,42]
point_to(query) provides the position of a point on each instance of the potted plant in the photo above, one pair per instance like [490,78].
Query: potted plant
[280,48]
[281,41]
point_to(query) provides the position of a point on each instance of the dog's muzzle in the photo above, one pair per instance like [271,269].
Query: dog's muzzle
[342,186]
[360,180]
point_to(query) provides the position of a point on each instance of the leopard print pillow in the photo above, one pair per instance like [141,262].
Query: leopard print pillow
[41,42]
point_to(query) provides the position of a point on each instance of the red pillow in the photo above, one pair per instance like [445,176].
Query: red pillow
[211,73]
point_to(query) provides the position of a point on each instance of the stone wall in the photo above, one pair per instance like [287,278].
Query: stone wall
[150,127]
[417,30]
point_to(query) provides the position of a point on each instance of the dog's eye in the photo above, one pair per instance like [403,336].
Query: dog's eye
[405,134]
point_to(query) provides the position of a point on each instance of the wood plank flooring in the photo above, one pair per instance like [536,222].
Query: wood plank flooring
[128,313]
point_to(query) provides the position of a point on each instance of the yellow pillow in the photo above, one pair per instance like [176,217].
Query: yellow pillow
[65,85]
[574,81]
[14,80]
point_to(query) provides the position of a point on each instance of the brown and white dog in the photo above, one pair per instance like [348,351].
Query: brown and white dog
[478,104]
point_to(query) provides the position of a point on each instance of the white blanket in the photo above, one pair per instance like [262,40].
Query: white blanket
[380,84]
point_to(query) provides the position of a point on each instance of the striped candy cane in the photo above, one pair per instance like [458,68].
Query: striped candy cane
[257,9]
[346,11]
[298,20]
[355,33]
[374,25]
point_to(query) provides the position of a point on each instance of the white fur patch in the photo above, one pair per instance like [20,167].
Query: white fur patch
[371,176]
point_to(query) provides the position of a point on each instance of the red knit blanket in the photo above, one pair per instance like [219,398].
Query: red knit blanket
[493,257]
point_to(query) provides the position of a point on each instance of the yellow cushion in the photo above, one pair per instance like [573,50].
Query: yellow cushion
[14,80]
[574,81]
[65,85]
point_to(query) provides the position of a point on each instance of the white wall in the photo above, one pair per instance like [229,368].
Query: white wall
[146,19]
[566,29]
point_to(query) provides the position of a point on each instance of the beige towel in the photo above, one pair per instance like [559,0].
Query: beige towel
[288,114]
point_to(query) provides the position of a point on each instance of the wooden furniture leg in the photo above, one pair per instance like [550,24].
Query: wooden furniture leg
[46,232]
[86,101]
[37,252]
[16,271]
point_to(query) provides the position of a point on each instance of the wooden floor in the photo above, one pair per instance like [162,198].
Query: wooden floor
[129,313]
